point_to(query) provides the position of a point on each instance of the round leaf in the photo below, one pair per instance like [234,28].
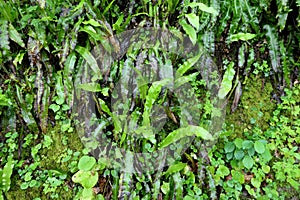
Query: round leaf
[259,147]
[229,147]
[223,171]
[87,179]
[248,162]
[238,154]
[247,144]
[86,163]
[238,143]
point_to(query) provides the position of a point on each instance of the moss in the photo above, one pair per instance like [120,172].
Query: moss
[32,193]
[255,107]
[51,157]
[50,160]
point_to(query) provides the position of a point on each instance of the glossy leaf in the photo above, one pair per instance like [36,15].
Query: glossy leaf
[92,22]
[226,84]
[239,154]
[247,144]
[175,168]
[193,19]
[190,31]
[273,47]
[223,171]
[185,132]
[241,36]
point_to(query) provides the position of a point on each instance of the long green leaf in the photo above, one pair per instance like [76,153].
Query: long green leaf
[193,19]
[91,87]
[180,133]
[15,36]
[273,47]
[175,168]
[241,36]
[152,95]
[227,81]
[204,8]
[90,60]
[4,37]
[190,31]
[6,174]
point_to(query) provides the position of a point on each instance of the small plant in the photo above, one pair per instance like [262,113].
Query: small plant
[87,177]
[5,175]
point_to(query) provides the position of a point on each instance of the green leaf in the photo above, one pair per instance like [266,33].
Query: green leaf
[18,58]
[226,84]
[91,87]
[5,180]
[229,147]
[241,36]
[238,176]
[255,182]
[223,171]
[4,101]
[92,22]
[152,95]
[165,188]
[259,147]
[266,155]
[175,168]
[238,143]
[15,36]
[187,65]
[247,144]
[90,60]
[273,47]
[239,154]
[204,8]
[54,107]
[190,130]
[193,19]
[266,169]
[92,32]
[88,179]
[86,163]
[87,194]
[190,31]
[59,86]
[4,37]
[248,162]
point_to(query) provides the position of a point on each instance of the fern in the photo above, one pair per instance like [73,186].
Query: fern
[273,47]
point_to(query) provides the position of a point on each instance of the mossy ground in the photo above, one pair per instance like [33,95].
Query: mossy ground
[255,107]
[51,159]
